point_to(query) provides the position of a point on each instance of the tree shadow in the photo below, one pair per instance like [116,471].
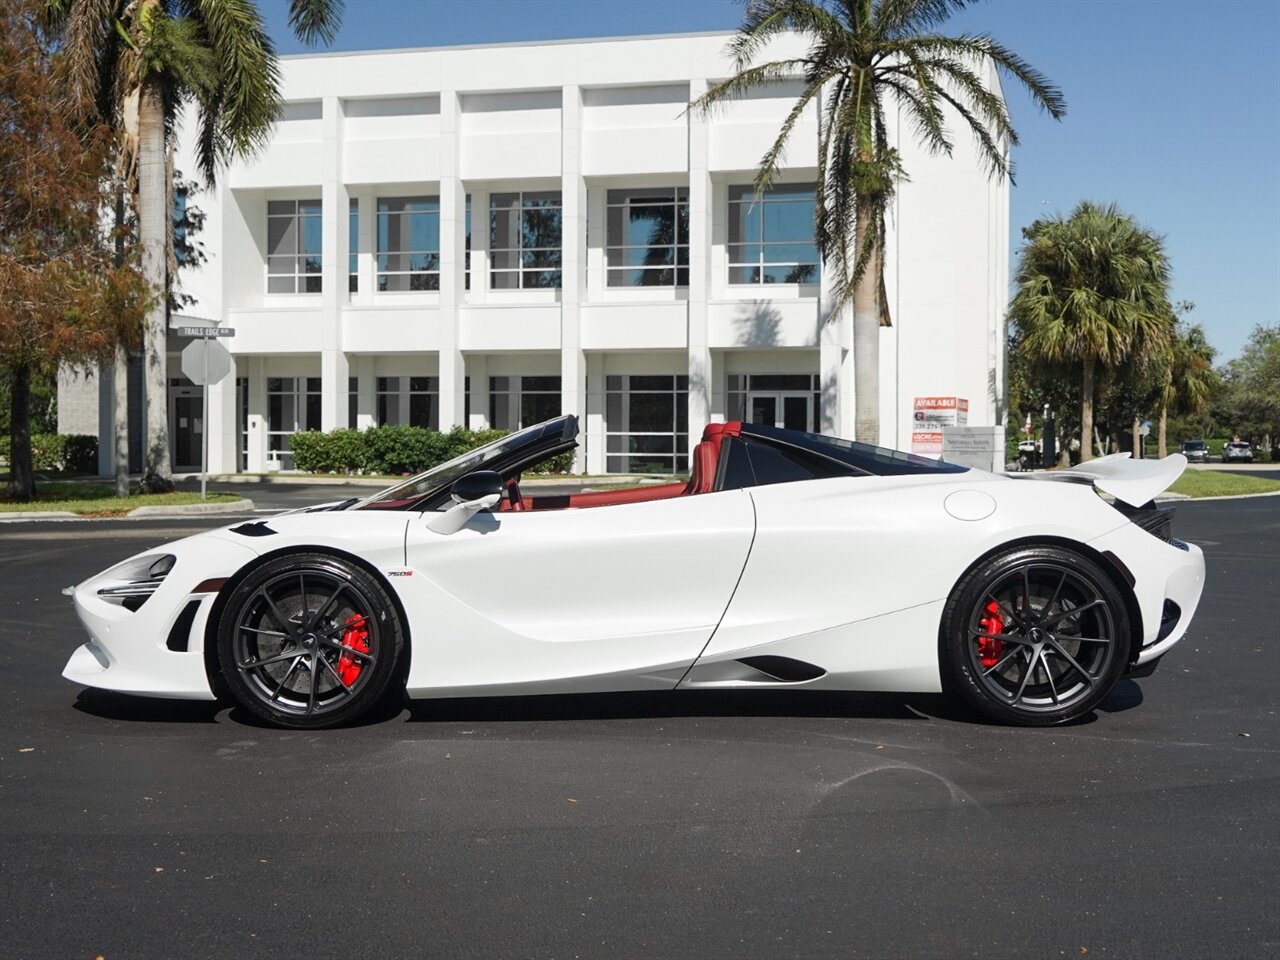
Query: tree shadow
[757,324]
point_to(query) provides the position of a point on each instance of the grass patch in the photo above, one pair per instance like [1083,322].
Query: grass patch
[100,500]
[1210,483]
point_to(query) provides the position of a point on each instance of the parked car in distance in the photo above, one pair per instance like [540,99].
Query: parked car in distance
[1236,451]
[1196,451]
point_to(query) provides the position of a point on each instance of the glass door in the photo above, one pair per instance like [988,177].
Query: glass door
[790,411]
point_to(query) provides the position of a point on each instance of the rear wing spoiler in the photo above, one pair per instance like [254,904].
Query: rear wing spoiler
[1136,482]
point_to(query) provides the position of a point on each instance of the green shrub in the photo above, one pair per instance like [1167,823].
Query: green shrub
[80,453]
[396,449]
[69,452]
[339,451]
[401,449]
[560,463]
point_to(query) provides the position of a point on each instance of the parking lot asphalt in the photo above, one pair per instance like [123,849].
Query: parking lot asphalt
[673,825]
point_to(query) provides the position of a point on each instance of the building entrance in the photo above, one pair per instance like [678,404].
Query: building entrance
[791,411]
[186,426]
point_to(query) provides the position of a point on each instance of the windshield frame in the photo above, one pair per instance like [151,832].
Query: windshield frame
[508,454]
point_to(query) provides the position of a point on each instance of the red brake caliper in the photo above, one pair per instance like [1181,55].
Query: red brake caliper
[989,648]
[355,636]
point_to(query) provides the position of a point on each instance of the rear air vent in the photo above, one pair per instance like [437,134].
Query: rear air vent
[179,640]
[784,669]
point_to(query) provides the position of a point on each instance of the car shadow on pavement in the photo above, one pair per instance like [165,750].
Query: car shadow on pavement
[598,706]
[684,703]
[1124,696]
[127,707]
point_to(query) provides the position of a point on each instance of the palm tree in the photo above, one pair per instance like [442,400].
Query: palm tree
[1189,378]
[865,57]
[140,61]
[1092,290]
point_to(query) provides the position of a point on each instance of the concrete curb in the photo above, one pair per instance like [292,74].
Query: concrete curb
[155,512]
[244,505]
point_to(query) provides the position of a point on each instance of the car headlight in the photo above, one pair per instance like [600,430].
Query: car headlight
[133,582]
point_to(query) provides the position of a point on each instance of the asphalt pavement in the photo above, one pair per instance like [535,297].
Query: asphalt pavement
[674,825]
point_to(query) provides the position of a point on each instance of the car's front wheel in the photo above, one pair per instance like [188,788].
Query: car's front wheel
[1036,635]
[309,640]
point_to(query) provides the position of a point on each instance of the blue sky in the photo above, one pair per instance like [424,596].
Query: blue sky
[1173,113]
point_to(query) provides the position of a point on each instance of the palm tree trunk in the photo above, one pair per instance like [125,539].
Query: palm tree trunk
[22,481]
[153,223]
[866,336]
[1137,438]
[1163,448]
[1086,412]
[120,379]
[120,420]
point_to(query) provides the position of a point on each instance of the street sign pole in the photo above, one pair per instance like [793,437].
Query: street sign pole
[206,342]
[204,429]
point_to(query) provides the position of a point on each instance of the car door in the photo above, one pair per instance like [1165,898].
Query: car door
[602,598]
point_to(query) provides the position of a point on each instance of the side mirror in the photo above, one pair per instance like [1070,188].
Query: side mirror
[471,493]
[480,485]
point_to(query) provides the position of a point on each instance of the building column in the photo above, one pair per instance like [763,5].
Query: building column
[335,201]
[452,262]
[573,269]
[366,393]
[367,236]
[593,430]
[220,421]
[256,462]
[702,372]
[478,371]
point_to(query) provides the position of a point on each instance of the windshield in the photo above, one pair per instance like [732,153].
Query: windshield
[499,455]
[1193,445]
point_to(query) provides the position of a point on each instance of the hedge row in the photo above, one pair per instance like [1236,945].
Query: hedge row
[72,452]
[395,449]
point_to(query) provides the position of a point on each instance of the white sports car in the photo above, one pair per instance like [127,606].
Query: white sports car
[787,560]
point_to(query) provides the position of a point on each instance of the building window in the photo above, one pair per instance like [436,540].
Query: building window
[414,401]
[293,405]
[353,401]
[293,246]
[353,248]
[646,424]
[771,236]
[181,250]
[647,237]
[519,402]
[408,243]
[524,240]
[792,401]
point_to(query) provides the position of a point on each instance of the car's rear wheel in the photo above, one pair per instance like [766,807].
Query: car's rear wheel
[309,640]
[1036,635]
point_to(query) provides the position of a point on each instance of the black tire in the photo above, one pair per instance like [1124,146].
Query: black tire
[309,641]
[1035,636]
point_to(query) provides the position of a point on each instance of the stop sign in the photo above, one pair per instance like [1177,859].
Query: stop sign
[205,361]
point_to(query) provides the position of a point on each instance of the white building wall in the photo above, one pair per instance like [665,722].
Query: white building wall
[580,117]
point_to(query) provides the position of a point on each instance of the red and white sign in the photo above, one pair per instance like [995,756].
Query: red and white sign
[931,415]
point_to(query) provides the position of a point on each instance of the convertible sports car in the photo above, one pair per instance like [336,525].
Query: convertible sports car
[787,560]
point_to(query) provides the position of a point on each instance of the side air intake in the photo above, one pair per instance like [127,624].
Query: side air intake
[784,669]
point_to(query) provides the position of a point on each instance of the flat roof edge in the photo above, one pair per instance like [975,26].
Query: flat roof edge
[322,54]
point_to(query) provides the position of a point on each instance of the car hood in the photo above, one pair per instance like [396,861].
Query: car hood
[1134,481]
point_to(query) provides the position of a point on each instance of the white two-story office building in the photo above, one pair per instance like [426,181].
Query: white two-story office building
[488,236]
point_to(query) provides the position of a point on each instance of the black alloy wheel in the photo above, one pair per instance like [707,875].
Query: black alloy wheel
[308,641]
[1035,636]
